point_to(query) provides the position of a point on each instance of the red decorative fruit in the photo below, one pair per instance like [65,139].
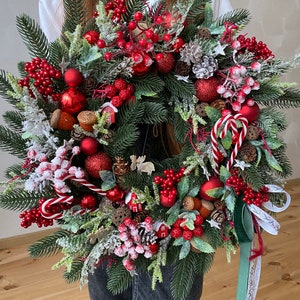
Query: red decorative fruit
[115,194]
[206,89]
[97,162]
[91,36]
[167,201]
[210,184]
[89,145]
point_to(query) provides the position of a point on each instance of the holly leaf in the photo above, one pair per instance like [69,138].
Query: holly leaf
[183,187]
[230,201]
[273,143]
[272,161]
[213,114]
[173,213]
[194,191]
[179,241]
[108,180]
[89,54]
[224,174]
[202,245]
[227,140]
[185,249]
[216,192]
[259,154]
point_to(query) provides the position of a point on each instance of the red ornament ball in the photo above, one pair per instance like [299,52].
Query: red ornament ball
[89,145]
[73,77]
[166,200]
[88,202]
[165,63]
[91,36]
[206,89]
[115,194]
[97,162]
[251,113]
[210,184]
[72,101]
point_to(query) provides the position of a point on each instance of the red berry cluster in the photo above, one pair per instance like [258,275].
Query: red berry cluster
[169,184]
[259,49]
[178,230]
[118,7]
[119,92]
[249,195]
[34,216]
[42,74]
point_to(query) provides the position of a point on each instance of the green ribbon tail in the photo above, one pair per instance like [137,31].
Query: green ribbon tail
[244,229]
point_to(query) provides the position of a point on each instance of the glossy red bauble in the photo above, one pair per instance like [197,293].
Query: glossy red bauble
[251,113]
[115,194]
[89,145]
[97,162]
[206,89]
[88,202]
[210,184]
[73,77]
[72,101]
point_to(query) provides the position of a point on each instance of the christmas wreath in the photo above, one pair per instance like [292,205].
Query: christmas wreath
[150,135]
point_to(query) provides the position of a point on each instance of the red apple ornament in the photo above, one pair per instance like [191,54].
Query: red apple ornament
[72,101]
[210,184]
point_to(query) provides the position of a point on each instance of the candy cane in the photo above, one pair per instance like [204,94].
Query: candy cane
[229,122]
[241,138]
[89,185]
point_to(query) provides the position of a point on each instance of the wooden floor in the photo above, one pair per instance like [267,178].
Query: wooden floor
[23,278]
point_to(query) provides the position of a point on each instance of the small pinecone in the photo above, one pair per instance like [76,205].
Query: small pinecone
[106,205]
[120,214]
[191,53]
[109,136]
[89,86]
[252,133]
[206,67]
[248,152]
[218,216]
[120,168]
[219,204]
[77,134]
[200,109]
[204,33]
[218,104]
[140,216]
[147,237]
[182,68]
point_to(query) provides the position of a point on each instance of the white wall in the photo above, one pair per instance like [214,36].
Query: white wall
[275,22]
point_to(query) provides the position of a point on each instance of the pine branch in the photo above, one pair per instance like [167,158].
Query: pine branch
[58,52]
[119,279]
[240,17]
[131,113]
[74,274]
[13,120]
[74,14]
[195,15]
[13,171]
[5,87]
[183,277]
[204,262]
[12,142]
[132,6]
[180,128]
[33,37]
[291,98]
[21,70]
[154,113]
[19,199]
[47,246]
[148,83]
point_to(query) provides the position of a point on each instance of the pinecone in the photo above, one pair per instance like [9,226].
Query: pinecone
[120,168]
[89,85]
[140,216]
[77,133]
[206,67]
[248,152]
[218,104]
[191,53]
[252,133]
[182,68]
[219,204]
[147,237]
[108,137]
[204,33]
[120,214]
[200,109]
[218,216]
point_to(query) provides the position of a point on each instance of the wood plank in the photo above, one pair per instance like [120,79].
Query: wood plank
[22,277]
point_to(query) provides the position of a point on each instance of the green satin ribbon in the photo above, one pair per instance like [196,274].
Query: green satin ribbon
[244,229]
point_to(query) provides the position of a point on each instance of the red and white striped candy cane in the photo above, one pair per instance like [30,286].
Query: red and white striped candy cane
[89,185]
[240,140]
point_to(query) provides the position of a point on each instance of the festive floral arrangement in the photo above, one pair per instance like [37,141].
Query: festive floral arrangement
[150,135]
